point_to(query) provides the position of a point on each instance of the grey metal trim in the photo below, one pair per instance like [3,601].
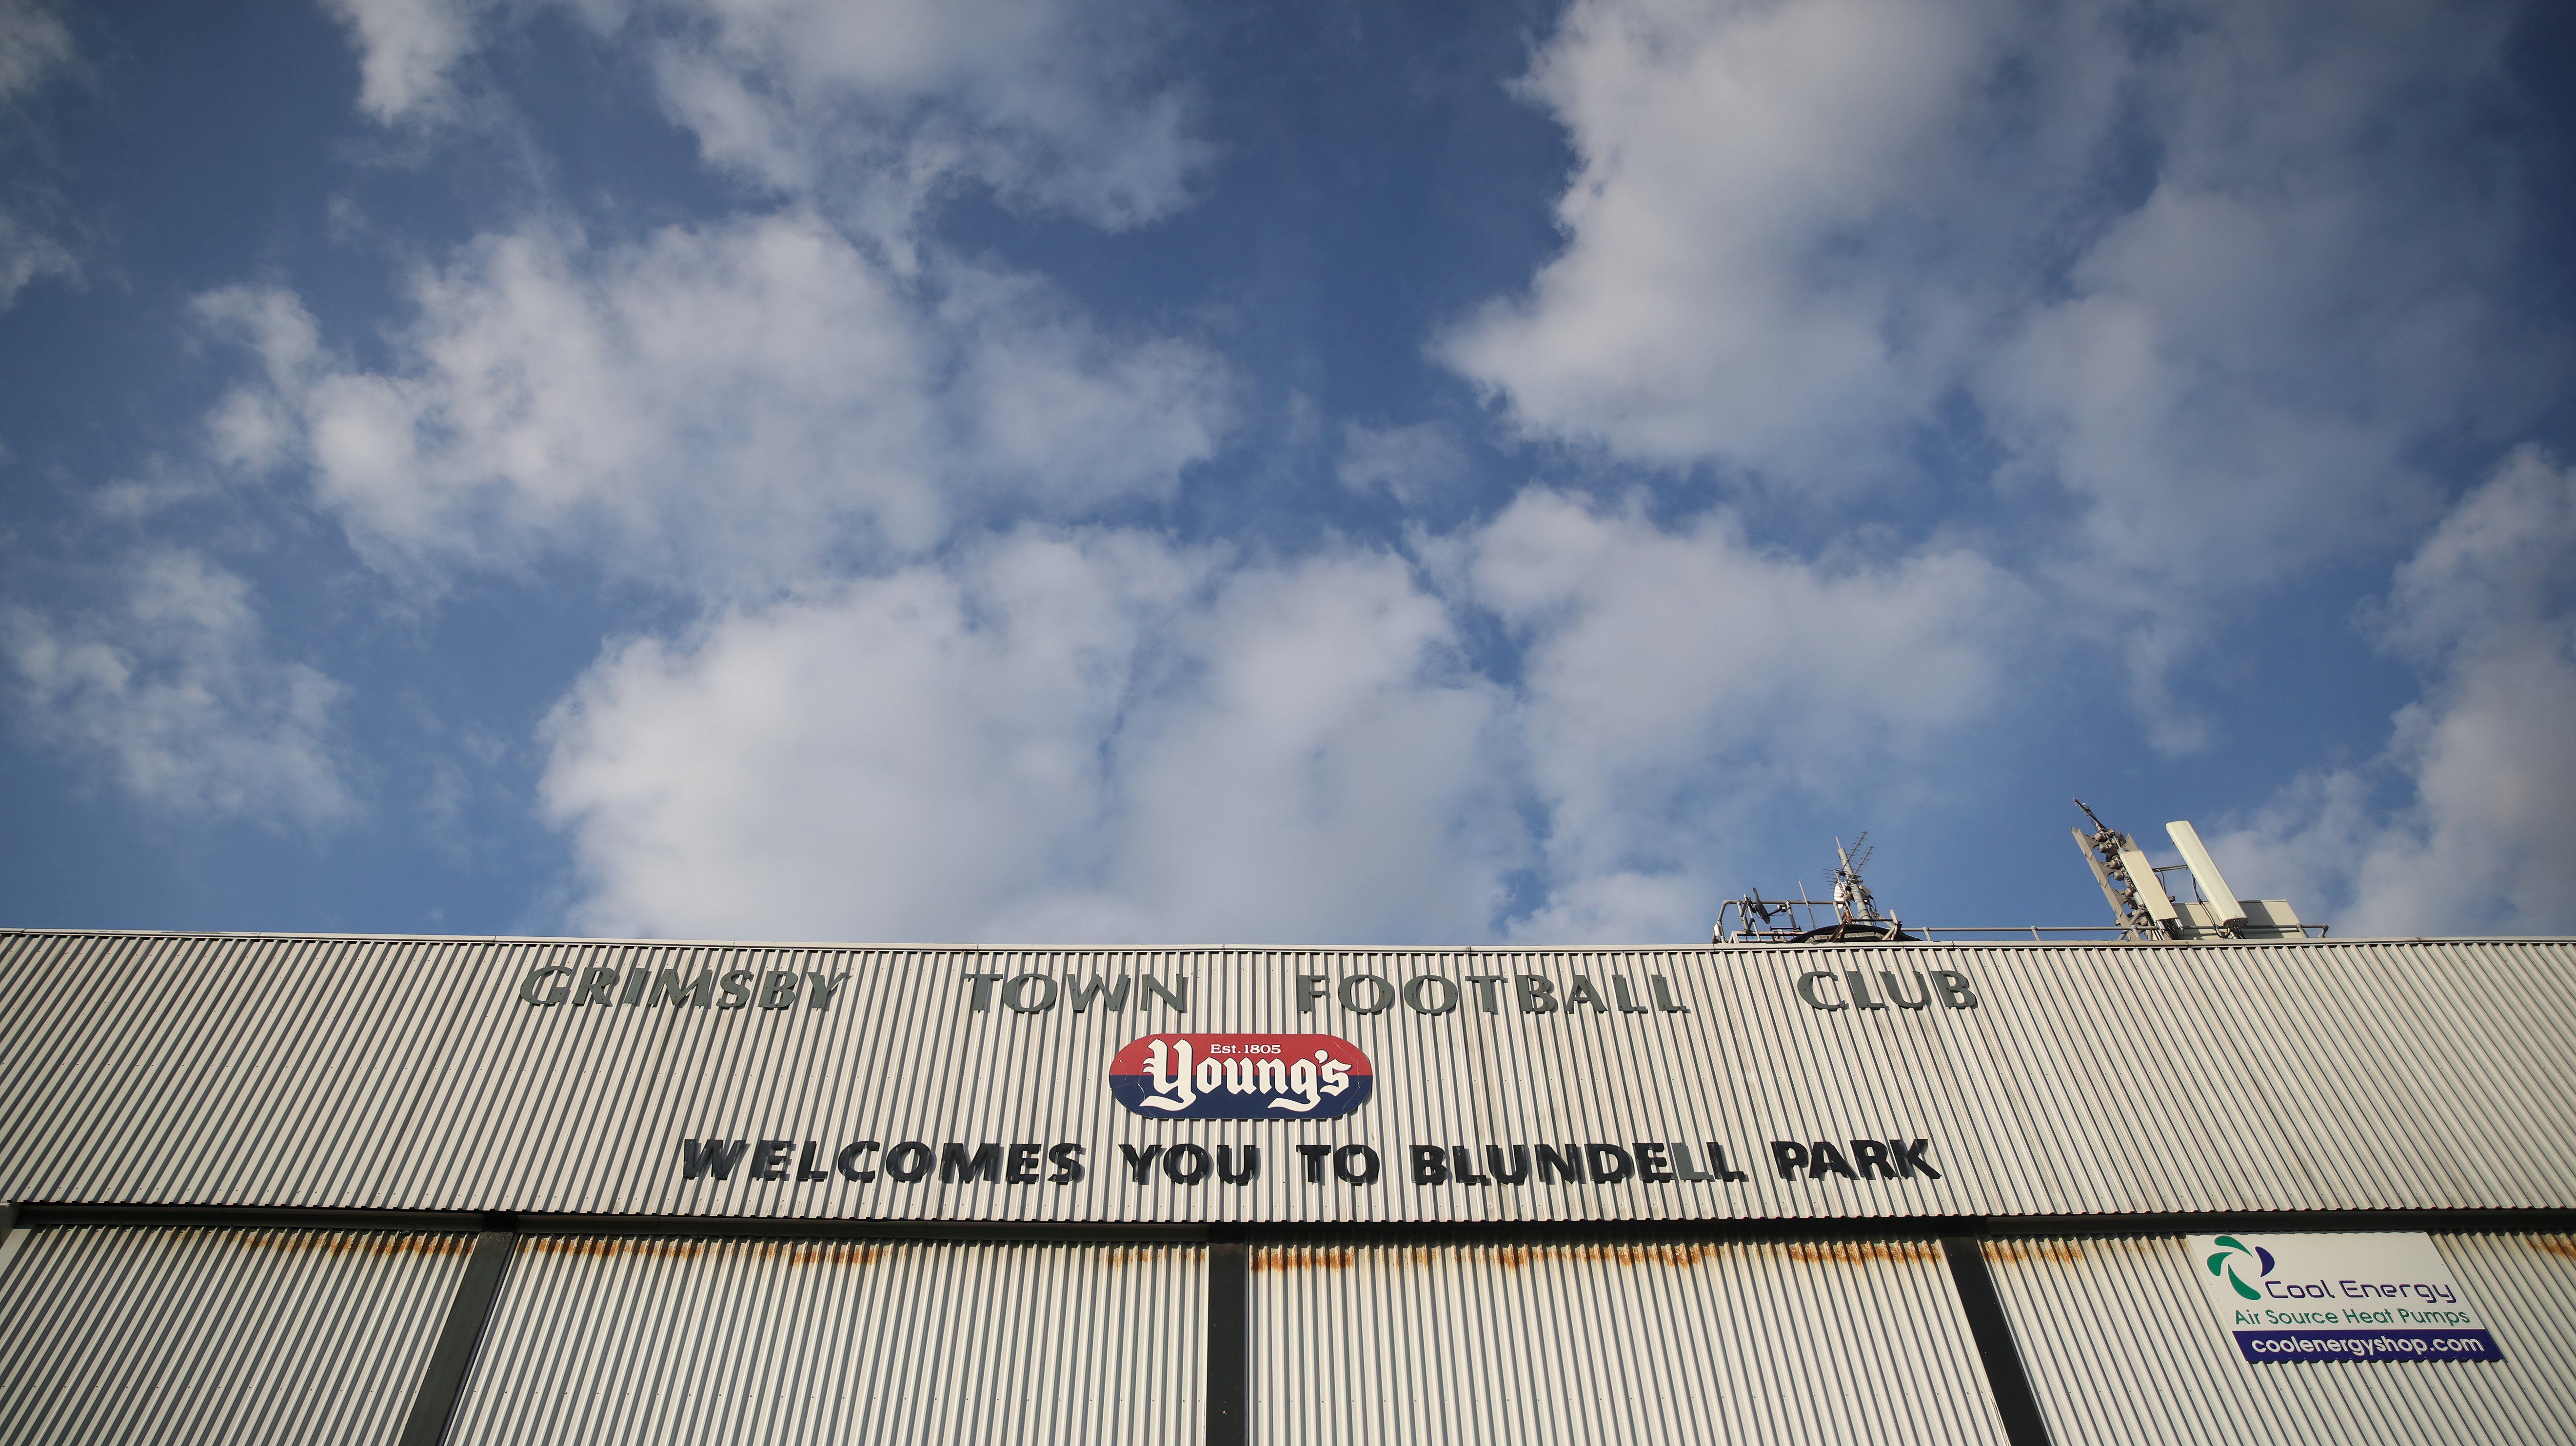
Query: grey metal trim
[700,1227]
[35,1215]
[442,1382]
[2005,1373]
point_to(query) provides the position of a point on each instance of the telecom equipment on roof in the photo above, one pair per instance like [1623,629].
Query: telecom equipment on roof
[2135,890]
[2142,909]
[1854,910]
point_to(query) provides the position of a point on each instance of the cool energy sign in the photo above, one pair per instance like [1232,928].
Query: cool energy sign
[2288,1298]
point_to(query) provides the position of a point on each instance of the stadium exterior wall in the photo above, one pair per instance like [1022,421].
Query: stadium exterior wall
[774,1192]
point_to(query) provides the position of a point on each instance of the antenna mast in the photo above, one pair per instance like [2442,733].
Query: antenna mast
[2128,881]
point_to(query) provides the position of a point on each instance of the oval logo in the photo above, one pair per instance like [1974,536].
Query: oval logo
[1240,1076]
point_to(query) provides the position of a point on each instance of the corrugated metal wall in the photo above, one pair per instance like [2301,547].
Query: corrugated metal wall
[708,1342]
[2122,1346]
[194,1336]
[1613,1343]
[389,1073]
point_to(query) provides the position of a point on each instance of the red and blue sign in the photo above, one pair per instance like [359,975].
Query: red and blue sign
[1240,1077]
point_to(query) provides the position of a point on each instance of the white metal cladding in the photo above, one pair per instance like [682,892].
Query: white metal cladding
[2122,1346]
[190,1336]
[706,1342]
[407,1073]
[1613,1343]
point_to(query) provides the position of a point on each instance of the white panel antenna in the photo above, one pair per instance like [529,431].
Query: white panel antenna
[2204,872]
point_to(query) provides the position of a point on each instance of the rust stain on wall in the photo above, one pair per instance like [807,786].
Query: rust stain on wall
[2062,1252]
[335,1244]
[1863,1252]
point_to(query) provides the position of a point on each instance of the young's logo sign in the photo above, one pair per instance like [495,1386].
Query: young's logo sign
[1240,1077]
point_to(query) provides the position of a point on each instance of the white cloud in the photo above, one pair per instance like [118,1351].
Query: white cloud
[34,45]
[725,408]
[1415,465]
[408,51]
[171,684]
[1046,101]
[1673,676]
[2481,834]
[1750,231]
[866,105]
[2182,269]
[1099,736]
[1089,736]
[36,235]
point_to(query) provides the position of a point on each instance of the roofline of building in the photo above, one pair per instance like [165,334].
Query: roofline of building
[1063,948]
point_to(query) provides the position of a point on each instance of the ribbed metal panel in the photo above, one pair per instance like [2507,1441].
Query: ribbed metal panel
[708,1342]
[2122,1346]
[406,1073]
[194,1336]
[1614,1343]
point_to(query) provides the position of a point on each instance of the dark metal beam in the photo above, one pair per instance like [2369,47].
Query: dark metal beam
[1229,1343]
[442,1382]
[2014,1399]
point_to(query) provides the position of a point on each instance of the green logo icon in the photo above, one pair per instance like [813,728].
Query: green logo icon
[2230,1264]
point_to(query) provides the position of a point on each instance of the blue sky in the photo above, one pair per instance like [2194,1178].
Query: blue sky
[1044,471]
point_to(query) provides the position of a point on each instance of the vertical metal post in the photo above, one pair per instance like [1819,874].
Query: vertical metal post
[442,1382]
[2014,1399]
[1229,1343]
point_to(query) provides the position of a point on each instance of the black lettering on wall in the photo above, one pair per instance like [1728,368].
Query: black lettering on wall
[1823,1158]
[908,1161]
[769,1160]
[1185,1164]
[1138,1164]
[1067,1160]
[712,1157]
[1179,1002]
[956,1166]
[1869,1159]
[1430,1165]
[1563,1166]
